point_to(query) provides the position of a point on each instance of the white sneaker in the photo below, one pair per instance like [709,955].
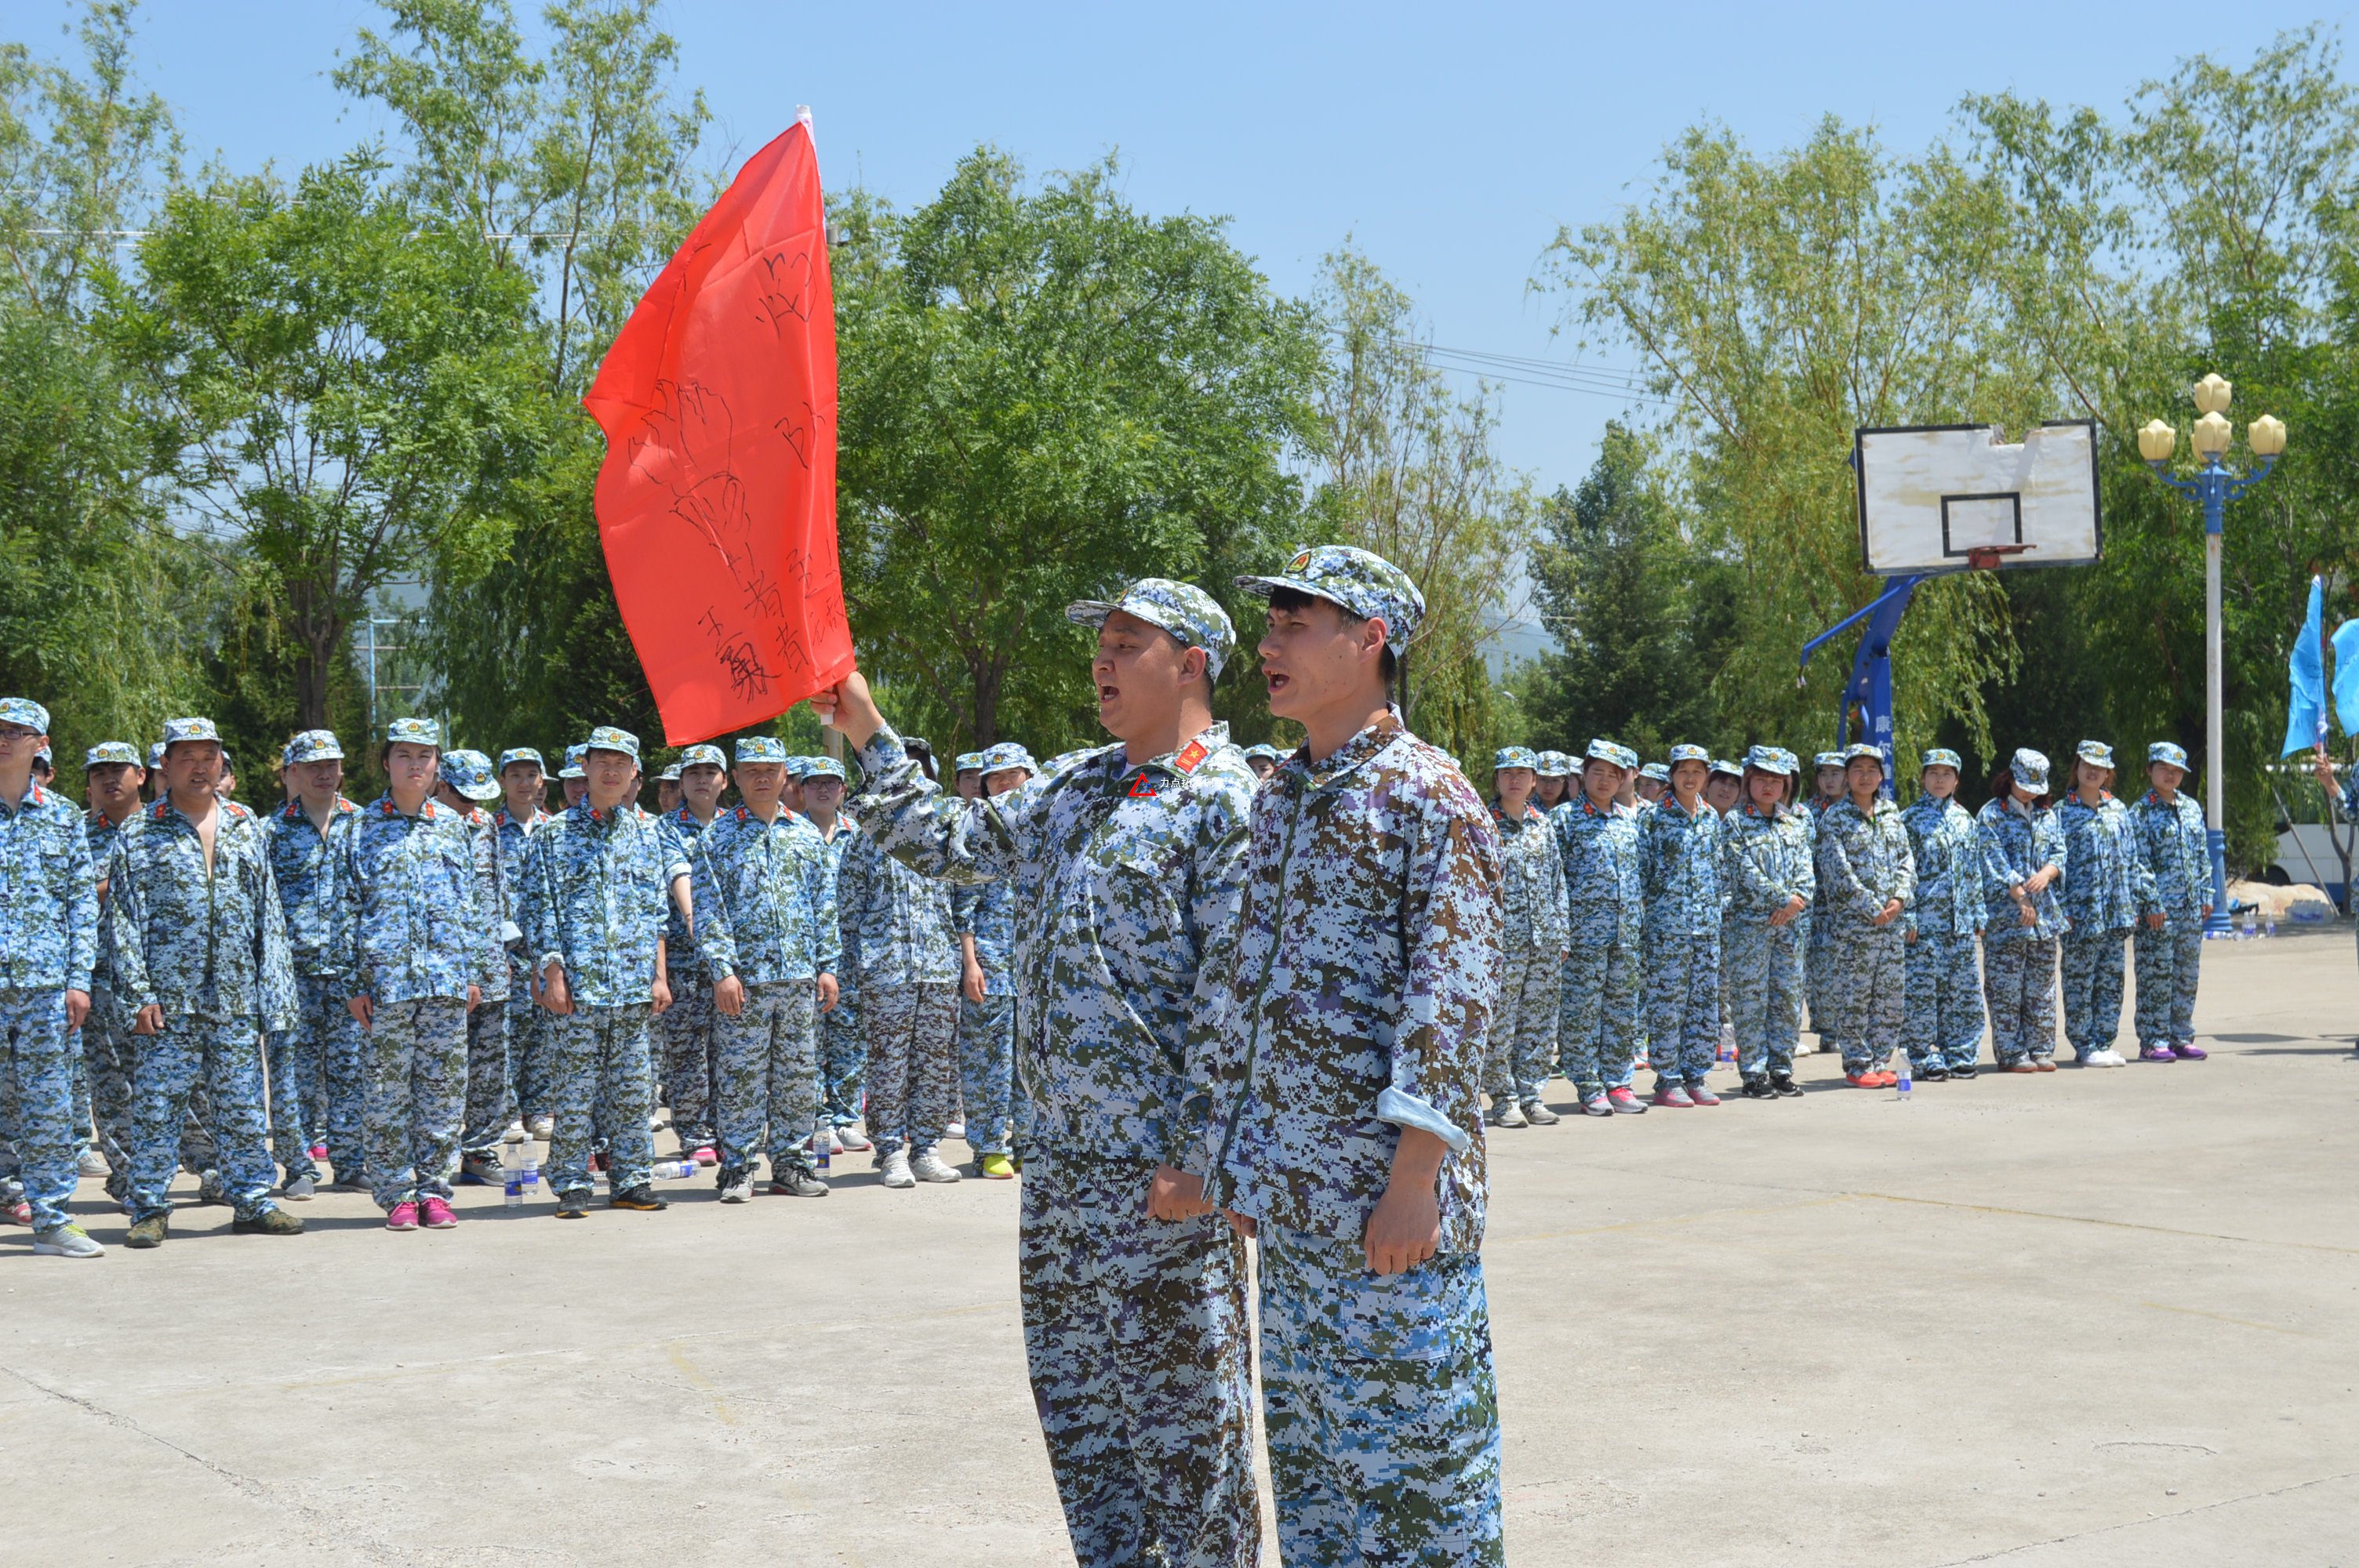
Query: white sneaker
[897,1170]
[955,1130]
[851,1138]
[928,1166]
[65,1241]
[2106,1057]
[90,1162]
[541,1127]
[738,1190]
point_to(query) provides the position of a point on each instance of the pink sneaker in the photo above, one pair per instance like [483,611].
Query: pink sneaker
[1699,1094]
[437,1214]
[2157,1054]
[705,1156]
[2186,1051]
[319,1151]
[1671,1097]
[404,1216]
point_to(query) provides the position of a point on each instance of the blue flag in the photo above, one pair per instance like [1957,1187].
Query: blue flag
[2306,709]
[2347,676]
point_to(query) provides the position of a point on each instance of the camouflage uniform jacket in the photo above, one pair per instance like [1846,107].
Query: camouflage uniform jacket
[765,911]
[1679,865]
[510,838]
[987,913]
[1531,868]
[412,923]
[2101,842]
[1123,882]
[2015,846]
[48,896]
[301,857]
[1365,974]
[846,978]
[1948,850]
[896,923]
[99,833]
[2174,870]
[1766,862]
[1864,862]
[499,894]
[680,954]
[596,884]
[1604,896]
[193,941]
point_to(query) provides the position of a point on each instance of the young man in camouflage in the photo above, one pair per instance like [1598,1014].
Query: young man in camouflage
[843,1053]
[316,1082]
[1348,1116]
[688,1070]
[524,789]
[1533,944]
[1125,862]
[984,917]
[1942,971]
[2175,898]
[1600,1028]
[1826,788]
[49,945]
[463,780]
[767,929]
[112,778]
[1768,877]
[420,933]
[1867,880]
[1679,865]
[201,963]
[591,907]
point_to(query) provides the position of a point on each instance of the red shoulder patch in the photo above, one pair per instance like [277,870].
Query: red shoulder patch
[1191,757]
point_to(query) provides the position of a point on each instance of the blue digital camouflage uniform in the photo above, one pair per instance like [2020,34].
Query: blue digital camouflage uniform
[490,1104]
[415,934]
[842,1048]
[1365,975]
[1944,1018]
[2019,960]
[49,945]
[2175,879]
[209,950]
[897,934]
[316,1085]
[1814,932]
[1599,1029]
[595,891]
[1533,944]
[1766,862]
[766,915]
[1679,866]
[690,1043]
[2101,901]
[1864,863]
[1126,878]
[987,1028]
[528,1025]
[109,1048]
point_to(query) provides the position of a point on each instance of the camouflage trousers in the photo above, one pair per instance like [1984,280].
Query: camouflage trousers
[768,1079]
[1598,1028]
[2169,962]
[843,1058]
[343,1069]
[300,1100]
[912,1063]
[1761,974]
[1522,1054]
[1944,1015]
[986,1038]
[598,1072]
[688,1064]
[1682,1005]
[2093,989]
[1380,1408]
[529,1028]
[1866,972]
[489,1104]
[1136,1334]
[1816,929]
[36,1099]
[223,1056]
[108,1047]
[417,1054]
[2019,984]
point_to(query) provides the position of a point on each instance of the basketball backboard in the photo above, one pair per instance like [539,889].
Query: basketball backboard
[1951,498]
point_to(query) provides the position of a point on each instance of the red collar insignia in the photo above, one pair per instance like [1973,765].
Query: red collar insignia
[1190,757]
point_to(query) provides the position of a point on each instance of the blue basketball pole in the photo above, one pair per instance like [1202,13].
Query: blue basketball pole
[1870,688]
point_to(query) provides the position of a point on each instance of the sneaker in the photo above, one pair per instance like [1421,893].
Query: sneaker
[703,1155]
[1932,1073]
[481,1169]
[401,1217]
[2105,1057]
[349,1181]
[90,1162]
[1671,1097]
[927,1165]
[1597,1104]
[1507,1113]
[435,1212]
[1540,1115]
[642,1198]
[16,1211]
[1625,1102]
[575,1204]
[209,1188]
[1785,1085]
[2020,1065]
[1757,1086]
[2157,1054]
[269,1222]
[895,1167]
[300,1189]
[737,1186]
[541,1127]
[319,1152]
[955,1130]
[1968,1071]
[2044,1064]
[1860,1080]
[2186,1051]
[1699,1094]
[996,1168]
[850,1140]
[149,1232]
[65,1241]
[793,1183]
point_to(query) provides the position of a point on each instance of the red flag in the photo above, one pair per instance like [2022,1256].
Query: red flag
[717,501]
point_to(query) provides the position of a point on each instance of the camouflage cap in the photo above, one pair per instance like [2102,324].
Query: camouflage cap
[1733,769]
[606,737]
[2094,751]
[1515,757]
[702,755]
[1188,612]
[24,710]
[1941,757]
[798,767]
[1773,760]
[968,762]
[1659,771]
[107,751]
[1683,753]
[1006,755]
[1265,750]
[154,756]
[2031,769]
[515,754]
[416,732]
[1859,749]
[469,773]
[46,757]
[670,774]
[2169,751]
[762,748]
[178,729]
[823,768]
[1555,764]
[1828,760]
[572,769]
[1604,751]
[1365,584]
[314,746]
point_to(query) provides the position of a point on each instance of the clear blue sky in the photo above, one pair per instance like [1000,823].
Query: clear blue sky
[1452,141]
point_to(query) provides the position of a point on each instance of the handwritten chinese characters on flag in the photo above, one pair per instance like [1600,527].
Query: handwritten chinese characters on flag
[717,501]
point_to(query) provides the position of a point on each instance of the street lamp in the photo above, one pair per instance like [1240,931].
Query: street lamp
[2213,486]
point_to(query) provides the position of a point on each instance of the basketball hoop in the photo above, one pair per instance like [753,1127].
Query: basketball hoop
[1953,498]
[1987,558]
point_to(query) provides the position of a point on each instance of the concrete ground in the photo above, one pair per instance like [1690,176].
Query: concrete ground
[2088,1318]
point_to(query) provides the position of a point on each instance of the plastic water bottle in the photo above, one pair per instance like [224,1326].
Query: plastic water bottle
[673,1170]
[512,1158]
[1727,1043]
[531,1169]
[1903,1085]
[821,1138]
[2248,923]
